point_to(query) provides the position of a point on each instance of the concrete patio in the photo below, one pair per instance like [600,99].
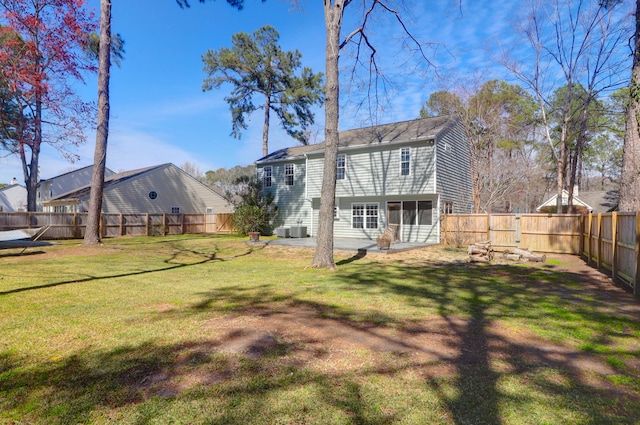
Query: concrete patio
[344,244]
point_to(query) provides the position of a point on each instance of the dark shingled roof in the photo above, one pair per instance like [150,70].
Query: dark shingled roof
[399,132]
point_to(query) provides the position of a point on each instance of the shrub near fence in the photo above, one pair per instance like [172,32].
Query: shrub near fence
[607,241]
[72,225]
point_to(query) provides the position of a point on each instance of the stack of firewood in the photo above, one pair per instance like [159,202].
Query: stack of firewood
[517,254]
[480,252]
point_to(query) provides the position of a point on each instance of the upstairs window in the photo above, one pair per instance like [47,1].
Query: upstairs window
[341,170]
[288,174]
[405,161]
[266,176]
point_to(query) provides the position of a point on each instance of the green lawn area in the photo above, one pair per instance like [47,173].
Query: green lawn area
[213,330]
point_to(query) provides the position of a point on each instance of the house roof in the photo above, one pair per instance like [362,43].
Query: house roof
[84,192]
[602,201]
[399,132]
[111,181]
[597,201]
[71,172]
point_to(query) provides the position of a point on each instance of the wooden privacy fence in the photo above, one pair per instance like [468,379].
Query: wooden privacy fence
[607,241]
[72,225]
[560,233]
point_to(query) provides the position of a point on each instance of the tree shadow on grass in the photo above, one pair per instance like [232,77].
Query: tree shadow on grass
[173,262]
[485,295]
[265,357]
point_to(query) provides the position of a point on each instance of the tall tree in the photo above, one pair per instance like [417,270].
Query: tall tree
[92,231]
[498,118]
[630,177]
[361,40]
[52,34]
[10,114]
[573,44]
[256,64]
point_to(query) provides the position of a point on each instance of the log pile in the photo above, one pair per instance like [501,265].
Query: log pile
[517,254]
[480,252]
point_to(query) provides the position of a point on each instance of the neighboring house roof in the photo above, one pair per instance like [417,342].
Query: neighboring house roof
[107,172]
[602,201]
[596,202]
[399,132]
[85,191]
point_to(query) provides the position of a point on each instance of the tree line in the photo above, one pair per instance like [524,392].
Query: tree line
[513,168]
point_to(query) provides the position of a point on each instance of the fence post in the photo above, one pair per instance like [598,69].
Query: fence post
[599,248]
[614,244]
[589,244]
[488,238]
[146,221]
[443,229]
[636,274]
[121,222]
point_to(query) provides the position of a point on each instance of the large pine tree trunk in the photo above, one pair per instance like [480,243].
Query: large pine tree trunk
[92,233]
[323,257]
[630,179]
[265,127]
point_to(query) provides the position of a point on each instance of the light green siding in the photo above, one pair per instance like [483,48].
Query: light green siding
[439,171]
[293,208]
[376,171]
[453,170]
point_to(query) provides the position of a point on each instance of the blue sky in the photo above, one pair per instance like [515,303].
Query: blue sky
[159,113]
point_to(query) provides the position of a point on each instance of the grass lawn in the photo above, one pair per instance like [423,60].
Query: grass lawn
[212,330]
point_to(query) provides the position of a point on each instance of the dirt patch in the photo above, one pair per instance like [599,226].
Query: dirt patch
[437,348]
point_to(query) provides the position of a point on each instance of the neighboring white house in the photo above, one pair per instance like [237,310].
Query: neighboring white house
[595,201]
[404,173]
[159,189]
[56,186]
[13,198]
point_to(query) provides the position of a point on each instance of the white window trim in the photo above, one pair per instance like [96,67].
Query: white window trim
[364,216]
[344,167]
[175,207]
[264,176]
[401,162]
[291,167]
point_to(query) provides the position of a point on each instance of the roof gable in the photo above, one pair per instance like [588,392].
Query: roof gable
[399,132]
[109,183]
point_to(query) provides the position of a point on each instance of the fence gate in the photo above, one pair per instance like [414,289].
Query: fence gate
[504,231]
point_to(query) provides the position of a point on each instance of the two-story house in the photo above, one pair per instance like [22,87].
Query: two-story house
[405,173]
